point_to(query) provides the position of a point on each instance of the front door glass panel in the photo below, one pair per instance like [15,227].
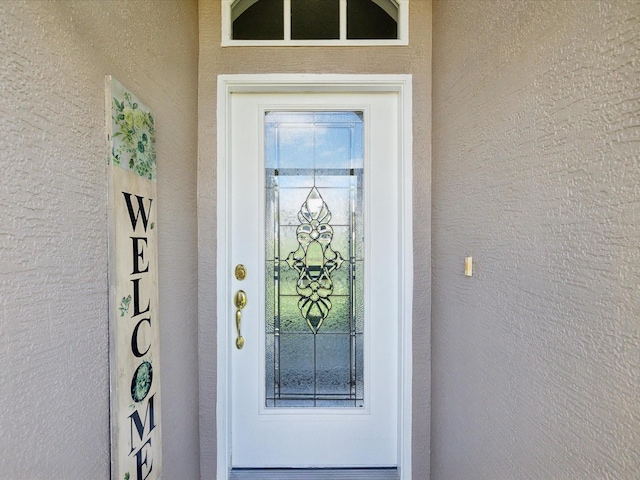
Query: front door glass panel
[314,259]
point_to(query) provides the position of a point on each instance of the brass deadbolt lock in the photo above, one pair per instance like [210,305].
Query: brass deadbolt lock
[241,272]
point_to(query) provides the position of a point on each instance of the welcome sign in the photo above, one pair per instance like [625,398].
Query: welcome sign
[136,446]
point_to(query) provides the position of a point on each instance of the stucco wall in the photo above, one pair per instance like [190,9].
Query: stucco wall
[414,59]
[536,165]
[54,374]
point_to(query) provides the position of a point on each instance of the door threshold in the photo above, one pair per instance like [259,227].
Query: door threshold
[314,474]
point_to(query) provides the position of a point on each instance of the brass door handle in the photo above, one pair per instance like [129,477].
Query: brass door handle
[239,300]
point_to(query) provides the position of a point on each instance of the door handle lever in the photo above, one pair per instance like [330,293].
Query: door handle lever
[239,300]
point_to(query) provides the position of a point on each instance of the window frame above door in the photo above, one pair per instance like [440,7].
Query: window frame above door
[402,20]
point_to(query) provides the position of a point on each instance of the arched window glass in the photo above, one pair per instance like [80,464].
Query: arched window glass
[315,22]
[258,20]
[371,19]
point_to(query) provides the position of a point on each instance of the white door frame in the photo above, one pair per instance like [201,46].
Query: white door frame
[313,83]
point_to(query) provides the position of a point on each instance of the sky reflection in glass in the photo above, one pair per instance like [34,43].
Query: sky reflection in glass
[303,140]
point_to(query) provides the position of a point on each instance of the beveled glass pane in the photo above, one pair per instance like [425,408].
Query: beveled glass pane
[339,317]
[342,282]
[290,319]
[295,147]
[330,403]
[271,146]
[337,118]
[296,364]
[359,368]
[359,230]
[315,19]
[338,199]
[288,280]
[297,179]
[314,272]
[333,364]
[263,20]
[290,201]
[334,181]
[288,402]
[341,240]
[269,298]
[288,241]
[333,147]
[359,298]
[270,222]
[269,370]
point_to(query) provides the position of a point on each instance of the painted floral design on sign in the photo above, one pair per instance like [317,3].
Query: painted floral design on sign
[134,135]
[141,382]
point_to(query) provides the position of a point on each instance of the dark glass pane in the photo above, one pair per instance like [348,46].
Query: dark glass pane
[264,20]
[366,20]
[315,19]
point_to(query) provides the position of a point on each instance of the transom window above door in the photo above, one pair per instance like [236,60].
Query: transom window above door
[314,22]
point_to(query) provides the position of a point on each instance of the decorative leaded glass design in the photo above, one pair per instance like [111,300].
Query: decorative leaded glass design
[314,259]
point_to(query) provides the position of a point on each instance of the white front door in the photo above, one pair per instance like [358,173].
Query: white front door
[315,218]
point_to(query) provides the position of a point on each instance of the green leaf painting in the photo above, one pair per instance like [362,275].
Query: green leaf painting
[133,144]
[124,305]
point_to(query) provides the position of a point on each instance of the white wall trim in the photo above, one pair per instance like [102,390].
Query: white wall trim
[292,83]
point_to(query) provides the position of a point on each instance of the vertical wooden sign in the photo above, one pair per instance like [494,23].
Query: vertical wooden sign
[134,355]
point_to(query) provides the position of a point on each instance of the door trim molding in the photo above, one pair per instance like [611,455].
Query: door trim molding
[314,83]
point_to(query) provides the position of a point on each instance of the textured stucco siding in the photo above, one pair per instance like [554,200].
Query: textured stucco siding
[536,167]
[54,370]
[414,59]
